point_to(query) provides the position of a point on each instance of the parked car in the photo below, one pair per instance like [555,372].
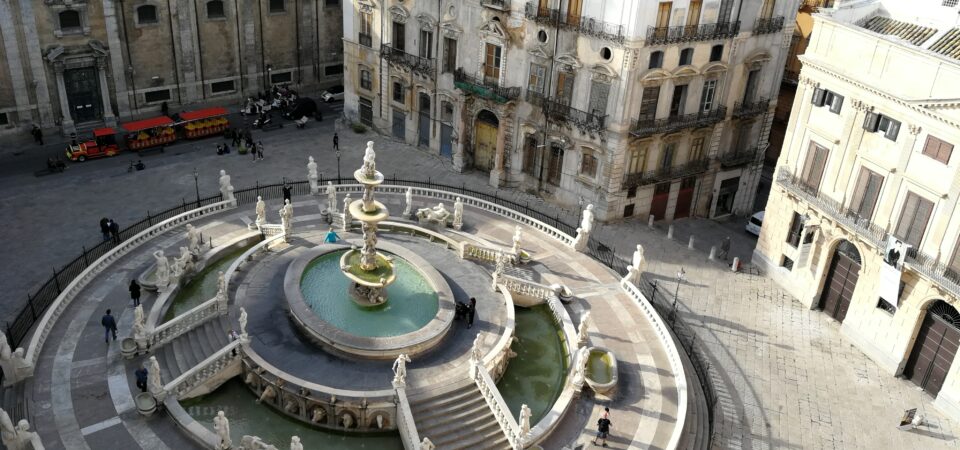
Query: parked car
[754,224]
[333,94]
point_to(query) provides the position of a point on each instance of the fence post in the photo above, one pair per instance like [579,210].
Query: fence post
[56,280]
[10,336]
[149,218]
[33,312]
[85,263]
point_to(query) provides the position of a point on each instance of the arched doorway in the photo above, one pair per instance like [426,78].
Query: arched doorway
[486,127]
[935,348]
[841,281]
[424,132]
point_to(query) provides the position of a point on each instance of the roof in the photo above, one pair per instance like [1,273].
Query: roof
[202,114]
[147,123]
[948,44]
[104,132]
[912,33]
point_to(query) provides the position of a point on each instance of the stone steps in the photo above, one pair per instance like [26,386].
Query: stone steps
[188,350]
[458,419]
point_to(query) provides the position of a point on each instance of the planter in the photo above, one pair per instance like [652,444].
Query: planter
[524,257]
[128,348]
[601,373]
[146,404]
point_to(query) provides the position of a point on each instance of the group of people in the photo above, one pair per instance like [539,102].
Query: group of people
[110,229]
[466,311]
[243,141]
[278,97]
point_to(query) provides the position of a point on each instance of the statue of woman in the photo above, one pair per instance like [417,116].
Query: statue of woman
[193,239]
[458,213]
[153,376]
[400,368]
[162,272]
[525,415]
[516,240]
[261,211]
[331,197]
[243,321]
[409,198]
[587,222]
[369,161]
[222,425]
[226,189]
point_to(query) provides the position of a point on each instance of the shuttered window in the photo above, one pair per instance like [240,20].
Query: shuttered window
[913,219]
[814,165]
[866,193]
[648,103]
[938,149]
[796,229]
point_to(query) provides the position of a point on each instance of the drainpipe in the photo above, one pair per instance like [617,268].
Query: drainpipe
[126,43]
[296,15]
[263,52]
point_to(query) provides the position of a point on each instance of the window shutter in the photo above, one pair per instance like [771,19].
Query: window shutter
[946,150]
[893,130]
[859,190]
[871,121]
[818,95]
[837,104]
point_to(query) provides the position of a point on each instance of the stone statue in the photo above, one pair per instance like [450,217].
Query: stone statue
[583,335]
[254,443]
[312,175]
[295,443]
[226,189]
[458,214]
[286,216]
[438,214]
[183,264]
[8,433]
[476,354]
[369,161]
[427,444]
[400,370]
[261,211]
[347,218]
[153,377]
[243,322]
[587,222]
[222,425]
[347,420]
[193,239]
[524,421]
[221,287]
[318,415]
[408,196]
[139,325]
[579,375]
[639,263]
[331,198]
[162,272]
[632,276]
[5,352]
[516,241]
[580,241]
[28,439]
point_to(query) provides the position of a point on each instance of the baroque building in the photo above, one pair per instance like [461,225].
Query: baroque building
[862,222]
[642,108]
[86,63]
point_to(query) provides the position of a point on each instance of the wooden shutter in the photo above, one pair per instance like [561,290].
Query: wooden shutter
[913,219]
[871,121]
[818,96]
[648,103]
[866,193]
[814,165]
[938,149]
[663,14]
[693,13]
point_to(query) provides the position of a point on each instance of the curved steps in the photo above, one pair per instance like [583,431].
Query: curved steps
[458,419]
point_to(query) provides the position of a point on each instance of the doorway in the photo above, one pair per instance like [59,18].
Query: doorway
[424,139]
[486,128]
[935,348]
[446,141]
[399,124]
[83,94]
[685,198]
[841,281]
[726,196]
[661,195]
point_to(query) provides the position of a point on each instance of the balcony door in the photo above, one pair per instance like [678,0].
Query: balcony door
[813,166]
[678,101]
[565,87]
[574,8]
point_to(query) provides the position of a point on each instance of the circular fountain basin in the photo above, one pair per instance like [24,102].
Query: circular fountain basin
[416,316]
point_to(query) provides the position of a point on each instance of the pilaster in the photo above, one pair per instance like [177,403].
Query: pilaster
[14,63]
[108,116]
[117,66]
[37,69]
[67,123]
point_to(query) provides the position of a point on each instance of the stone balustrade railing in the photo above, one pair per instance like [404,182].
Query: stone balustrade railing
[270,229]
[470,250]
[498,407]
[205,370]
[518,286]
[549,422]
[70,292]
[673,355]
[495,361]
[405,422]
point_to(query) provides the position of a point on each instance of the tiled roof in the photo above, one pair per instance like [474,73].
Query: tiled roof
[948,44]
[914,34]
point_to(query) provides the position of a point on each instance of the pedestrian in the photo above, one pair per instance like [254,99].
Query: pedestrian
[260,150]
[115,231]
[233,335]
[135,292]
[253,151]
[37,134]
[336,142]
[141,375]
[286,194]
[331,237]
[105,228]
[725,248]
[603,427]
[471,312]
[109,326]
[236,137]
[219,149]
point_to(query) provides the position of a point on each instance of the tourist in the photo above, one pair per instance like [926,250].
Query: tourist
[260,150]
[331,237]
[37,134]
[109,326]
[724,248]
[115,231]
[471,312]
[286,194]
[105,228]
[253,151]
[233,335]
[603,427]
[141,375]
[135,292]
[336,142]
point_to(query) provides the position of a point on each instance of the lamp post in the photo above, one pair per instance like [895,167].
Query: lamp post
[338,166]
[196,184]
[681,275]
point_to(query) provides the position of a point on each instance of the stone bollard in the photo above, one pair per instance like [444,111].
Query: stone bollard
[690,244]
[670,233]
[650,221]
[713,253]
[736,264]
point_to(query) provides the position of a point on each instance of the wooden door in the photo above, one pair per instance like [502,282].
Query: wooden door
[685,198]
[935,348]
[573,12]
[486,146]
[841,282]
[658,207]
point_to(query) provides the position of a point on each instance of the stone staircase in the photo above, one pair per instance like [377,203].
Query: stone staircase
[188,350]
[458,419]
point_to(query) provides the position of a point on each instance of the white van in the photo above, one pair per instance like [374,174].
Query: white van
[754,224]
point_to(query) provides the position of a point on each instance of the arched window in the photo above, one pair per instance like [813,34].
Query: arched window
[686,57]
[146,14]
[70,20]
[656,60]
[716,53]
[215,9]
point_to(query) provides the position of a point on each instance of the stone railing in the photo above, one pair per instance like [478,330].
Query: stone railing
[527,288]
[270,229]
[498,407]
[204,371]
[76,286]
[673,355]
[496,360]
[470,250]
[550,421]
[405,423]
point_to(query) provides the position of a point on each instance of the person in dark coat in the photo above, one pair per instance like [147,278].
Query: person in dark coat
[109,326]
[105,228]
[37,135]
[471,312]
[135,292]
[286,194]
[115,231]
[141,374]
[336,142]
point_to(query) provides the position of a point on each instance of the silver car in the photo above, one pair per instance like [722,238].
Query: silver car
[333,94]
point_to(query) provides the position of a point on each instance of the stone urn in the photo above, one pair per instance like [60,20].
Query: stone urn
[601,373]
[128,348]
[523,257]
[146,403]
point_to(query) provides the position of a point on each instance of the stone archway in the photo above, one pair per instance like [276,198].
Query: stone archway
[486,131]
[935,347]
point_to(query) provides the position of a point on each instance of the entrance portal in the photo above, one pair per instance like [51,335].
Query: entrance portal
[486,127]
[935,348]
[83,94]
[841,281]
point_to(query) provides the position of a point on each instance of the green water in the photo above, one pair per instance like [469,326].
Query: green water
[249,418]
[203,286]
[411,301]
[536,376]
[599,367]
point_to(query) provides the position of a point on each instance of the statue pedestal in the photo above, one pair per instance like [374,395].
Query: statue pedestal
[496,178]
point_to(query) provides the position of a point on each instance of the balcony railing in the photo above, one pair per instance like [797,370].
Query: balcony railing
[740,156]
[687,169]
[588,26]
[501,5]
[650,127]
[692,33]
[744,110]
[767,26]
[424,66]
[366,40]
[472,85]
[586,122]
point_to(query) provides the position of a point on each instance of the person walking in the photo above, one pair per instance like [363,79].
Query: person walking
[603,427]
[471,312]
[141,375]
[105,228]
[236,137]
[336,142]
[725,248]
[253,151]
[109,326]
[37,134]
[286,194]
[115,229]
[135,292]
[260,150]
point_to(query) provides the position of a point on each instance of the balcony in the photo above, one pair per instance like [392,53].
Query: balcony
[687,169]
[366,40]
[650,127]
[499,5]
[767,26]
[587,26]
[558,112]
[740,157]
[746,110]
[474,86]
[692,33]
[424,66]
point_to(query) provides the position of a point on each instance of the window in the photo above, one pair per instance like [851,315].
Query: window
[824,97]
[606,53]
[886,306]
[588,164]
[938,149]
[215,9]
[365,81]
[4,120]
[366,29]
[398,93]
[666,156]
[332,70]
[537,78]
[529,155]
[278,6]
[678,101]
[555,169]
[146,14]
[954,269]
[814,165]
[686,57]
[399,36]
[449,54]
[749,91]
[716,53]
[632,192]
[648,102]
[693,13]
[787,263]
[565,87]
[767,10]
[796,229]
[280,78]
[866,193]
[70,21]
[663,14]
[573,12]
[628,210]
[706,97]
[156,96]
[426,43]
[656,60]
[446,112]
[222,86]
[491,63]
[878,122]
[635,165]
[331,3]
[598,98]
[366,111]
[913,219]
[696,149]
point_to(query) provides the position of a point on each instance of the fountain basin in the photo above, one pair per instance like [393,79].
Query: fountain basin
[601,373]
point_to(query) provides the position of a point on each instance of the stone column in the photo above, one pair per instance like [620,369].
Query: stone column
[117,66]
[67,124]
[108,117]
[37,69]
[15,64]
[460,133]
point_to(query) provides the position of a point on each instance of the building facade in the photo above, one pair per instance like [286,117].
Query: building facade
[641,108]
[866,182]
[86,63]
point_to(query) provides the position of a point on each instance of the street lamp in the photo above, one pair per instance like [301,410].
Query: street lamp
[196,184]
[681,275]
[338,165]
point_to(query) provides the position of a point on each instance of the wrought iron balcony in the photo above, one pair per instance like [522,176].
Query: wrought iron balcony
[366,40]
[424,66]
[767,26]
[744,110]
[500,5]
[478,87]
[687,169]
[650,127]
[692,33]
[587,26]
[584,121]
[740,156]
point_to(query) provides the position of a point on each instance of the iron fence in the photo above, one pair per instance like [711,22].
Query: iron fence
[588,26]
[692,33]
[648,126]
[768,25]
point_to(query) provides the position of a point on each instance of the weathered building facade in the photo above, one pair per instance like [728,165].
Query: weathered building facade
[641,108]
[81,63]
